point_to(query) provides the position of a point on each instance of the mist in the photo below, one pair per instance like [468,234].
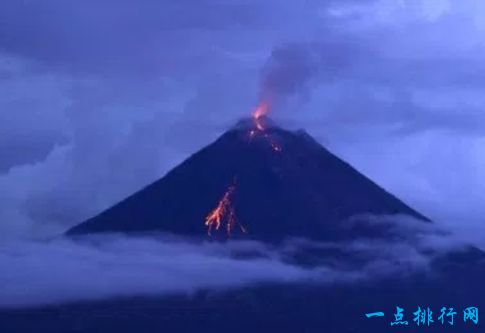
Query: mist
[93,268]
[99,267]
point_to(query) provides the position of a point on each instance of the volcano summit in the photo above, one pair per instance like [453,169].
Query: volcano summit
[259,181]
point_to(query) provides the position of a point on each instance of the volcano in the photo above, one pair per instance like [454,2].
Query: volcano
[255,181]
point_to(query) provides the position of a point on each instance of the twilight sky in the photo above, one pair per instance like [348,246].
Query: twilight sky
[100,97]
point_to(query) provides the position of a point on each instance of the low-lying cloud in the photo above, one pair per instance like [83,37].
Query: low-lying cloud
[101,267]
[35,273]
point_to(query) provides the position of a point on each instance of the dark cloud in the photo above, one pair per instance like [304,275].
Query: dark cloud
[27,150]
[140,38]
[31,122]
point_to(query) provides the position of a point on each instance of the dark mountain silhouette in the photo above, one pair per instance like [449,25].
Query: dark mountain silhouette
[275,183]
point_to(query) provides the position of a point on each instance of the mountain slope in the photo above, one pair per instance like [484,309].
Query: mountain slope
[257,180]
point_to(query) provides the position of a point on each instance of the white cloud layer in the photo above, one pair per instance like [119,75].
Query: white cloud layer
[101,267]
[64,270]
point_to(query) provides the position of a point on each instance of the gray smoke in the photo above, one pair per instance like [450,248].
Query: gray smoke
[288,71]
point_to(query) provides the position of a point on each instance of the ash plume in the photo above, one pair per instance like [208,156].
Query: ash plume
[288,72]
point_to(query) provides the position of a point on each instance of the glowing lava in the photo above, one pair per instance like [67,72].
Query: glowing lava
[258,113]
[224,216]
[224,213]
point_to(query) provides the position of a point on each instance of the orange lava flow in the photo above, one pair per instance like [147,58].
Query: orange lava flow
[223,213]
[261,110]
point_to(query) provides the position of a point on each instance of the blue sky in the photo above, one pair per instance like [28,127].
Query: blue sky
[99,98]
